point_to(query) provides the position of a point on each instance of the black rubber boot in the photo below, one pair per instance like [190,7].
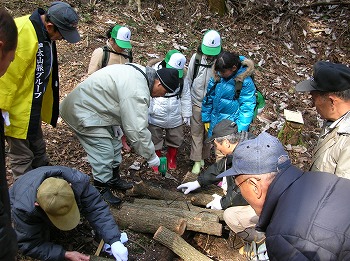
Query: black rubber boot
[117,183]
[106,193]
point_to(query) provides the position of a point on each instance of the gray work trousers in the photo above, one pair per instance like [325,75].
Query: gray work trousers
[173,136]
[199,149]
[103,154]
[27,154]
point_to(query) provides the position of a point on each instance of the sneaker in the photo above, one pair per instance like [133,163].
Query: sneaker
[254,251]
[196,167]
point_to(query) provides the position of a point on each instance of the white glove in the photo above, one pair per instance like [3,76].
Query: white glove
[120,252]
[189,186]
[215,203]
[118,132]
[187,121]
[123,239]
[154,162]
[6,117]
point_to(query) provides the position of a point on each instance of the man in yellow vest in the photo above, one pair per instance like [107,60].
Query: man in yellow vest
[30,87]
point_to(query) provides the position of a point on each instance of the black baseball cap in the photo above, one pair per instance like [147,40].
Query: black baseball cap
[66,19]
[327,77]
[223,128]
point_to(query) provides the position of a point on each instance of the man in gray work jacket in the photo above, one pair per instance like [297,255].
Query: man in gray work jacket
[114,98]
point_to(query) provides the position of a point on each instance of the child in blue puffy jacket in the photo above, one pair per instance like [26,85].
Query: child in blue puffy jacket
[223,100]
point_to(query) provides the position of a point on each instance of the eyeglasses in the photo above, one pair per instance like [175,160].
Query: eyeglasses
[240,184]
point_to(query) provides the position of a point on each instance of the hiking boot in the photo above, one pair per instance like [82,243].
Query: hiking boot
[120,184]
[117,183]
[106,193]
[196,167]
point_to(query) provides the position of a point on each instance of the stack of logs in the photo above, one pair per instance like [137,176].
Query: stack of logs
[168,214]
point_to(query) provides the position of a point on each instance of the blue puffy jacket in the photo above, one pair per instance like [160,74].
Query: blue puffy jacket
[220,102]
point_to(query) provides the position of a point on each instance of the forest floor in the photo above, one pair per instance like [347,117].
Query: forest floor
[284,38]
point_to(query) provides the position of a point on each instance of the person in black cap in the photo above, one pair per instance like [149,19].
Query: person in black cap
[113,98]
[330,92]
[305,215]
[30,88]
[226,137]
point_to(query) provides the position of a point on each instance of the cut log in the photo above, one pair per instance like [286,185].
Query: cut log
[98,258]
[145,221]
[203,216]
[143,189]
[201,199]
[178,245]
[185,205]
[198,222]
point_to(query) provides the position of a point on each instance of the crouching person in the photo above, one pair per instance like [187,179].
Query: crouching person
[54,196]
[113,98]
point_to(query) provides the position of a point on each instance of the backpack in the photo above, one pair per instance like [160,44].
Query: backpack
[106,54]
[197,64]
[260,98]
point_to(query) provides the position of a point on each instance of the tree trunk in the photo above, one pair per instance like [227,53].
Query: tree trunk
[185,205]
[178,245]
[147,221]
[217,6]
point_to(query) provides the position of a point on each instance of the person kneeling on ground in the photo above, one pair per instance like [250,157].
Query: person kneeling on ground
[54,196]
[238,215]
[300,212]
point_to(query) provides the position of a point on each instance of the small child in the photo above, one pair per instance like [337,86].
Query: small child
[170,112]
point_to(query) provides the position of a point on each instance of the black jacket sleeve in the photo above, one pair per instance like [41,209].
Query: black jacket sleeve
[208,177]
[233,195]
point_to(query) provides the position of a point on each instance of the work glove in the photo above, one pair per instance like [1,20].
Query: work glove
[187,121]
[189,186]
[123,239]
[118,132]
[215,203]
[6,117]
[206,126]
[154,162]
[120,252]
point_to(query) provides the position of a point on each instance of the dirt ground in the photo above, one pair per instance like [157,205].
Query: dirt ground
[284,38]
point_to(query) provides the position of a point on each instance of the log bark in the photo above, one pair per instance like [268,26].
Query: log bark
[145,221]
[199,222]
[178,245]
[185,205]
[143,189]
[203,216]
[98,258]
[201,199]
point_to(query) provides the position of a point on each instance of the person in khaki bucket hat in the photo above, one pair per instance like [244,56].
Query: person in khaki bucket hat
[57,196]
